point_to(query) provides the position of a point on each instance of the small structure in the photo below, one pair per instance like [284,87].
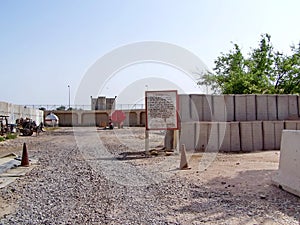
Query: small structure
[51,120]
[102,103]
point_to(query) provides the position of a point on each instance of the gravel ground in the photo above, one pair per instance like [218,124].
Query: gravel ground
[78,180]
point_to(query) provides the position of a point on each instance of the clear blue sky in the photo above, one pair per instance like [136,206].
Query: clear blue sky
[47,45]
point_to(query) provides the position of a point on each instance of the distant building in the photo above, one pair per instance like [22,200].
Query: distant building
[102,103]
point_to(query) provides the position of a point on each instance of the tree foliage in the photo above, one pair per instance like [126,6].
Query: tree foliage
[264,71]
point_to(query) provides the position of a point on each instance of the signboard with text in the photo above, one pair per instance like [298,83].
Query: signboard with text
[161,110]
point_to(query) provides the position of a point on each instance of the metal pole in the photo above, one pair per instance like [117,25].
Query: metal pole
[69,95]
[147,140]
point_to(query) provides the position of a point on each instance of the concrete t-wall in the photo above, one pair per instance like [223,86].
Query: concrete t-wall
[246,136]
[226,108]
[288,177]
[17,111]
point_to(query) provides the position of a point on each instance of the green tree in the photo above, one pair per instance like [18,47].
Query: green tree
[287,72]
[264,71]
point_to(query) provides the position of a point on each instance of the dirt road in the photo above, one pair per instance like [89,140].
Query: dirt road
[78,180]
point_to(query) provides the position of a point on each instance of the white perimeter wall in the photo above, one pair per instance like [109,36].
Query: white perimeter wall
[17,111]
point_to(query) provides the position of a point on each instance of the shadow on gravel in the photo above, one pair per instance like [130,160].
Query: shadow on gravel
[250,195]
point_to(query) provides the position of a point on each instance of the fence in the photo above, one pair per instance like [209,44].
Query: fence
[50,107]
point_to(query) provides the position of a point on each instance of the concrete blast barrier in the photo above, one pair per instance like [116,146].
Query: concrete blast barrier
[184,108]
[224,136]
[229,104]
[287,106]
[291,125]
[187,135]
[196,107]
[250,107]
[288,176]
[202,133]
[3,108]
[293,106]
[213,140]
[223,108]
[235,144]
[272,107]
[17,111]
[240,108]
[282,106]
[229,137]
[262,107]
[272,134]
[201,107]
[219,108]
[266,107]
[251,136]
[217,136]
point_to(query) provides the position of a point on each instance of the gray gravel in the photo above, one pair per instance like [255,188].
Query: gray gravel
[75,183]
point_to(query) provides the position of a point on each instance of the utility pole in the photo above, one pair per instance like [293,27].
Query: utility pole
[69,96]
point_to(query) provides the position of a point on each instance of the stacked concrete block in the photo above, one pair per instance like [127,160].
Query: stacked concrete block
[187,135]
[3,108]
[143,118]
[290,125]
[67,119]
[246,136]
[229,137]
[279,126]
[287,107]
[88,119]
[213,140]
[229,110]
[184,108]
[207,108]
[201,107]
[17,111]
[262,107]
[17,114]
[272,134]
[257,134]
[196,107]
[10,113]
[217,136]
[219,108]
[222,108]
[266,107]
[282,107]
[224,137]
[251,136]
[202,132]
[240,108]
[250,108]
[235,144]
[293,106]
[133,119]
[272,107]
[75,119]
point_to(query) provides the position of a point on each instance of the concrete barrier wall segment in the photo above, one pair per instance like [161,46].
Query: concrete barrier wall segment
[288,175]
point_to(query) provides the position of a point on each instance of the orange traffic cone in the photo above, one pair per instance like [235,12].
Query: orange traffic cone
[183,160]
[25,159]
